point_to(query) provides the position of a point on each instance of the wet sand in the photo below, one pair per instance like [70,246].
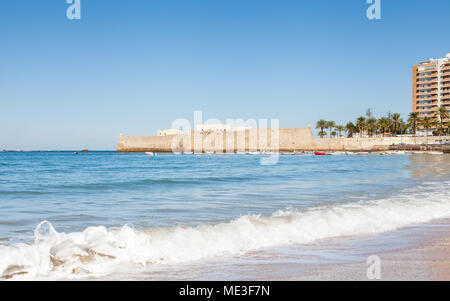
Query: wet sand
[426,257]
[427,262]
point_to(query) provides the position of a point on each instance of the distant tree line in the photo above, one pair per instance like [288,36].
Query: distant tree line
[390,125]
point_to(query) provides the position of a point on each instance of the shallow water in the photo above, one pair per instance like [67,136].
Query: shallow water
[107,210]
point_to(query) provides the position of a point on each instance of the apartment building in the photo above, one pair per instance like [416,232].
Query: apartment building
[431,86]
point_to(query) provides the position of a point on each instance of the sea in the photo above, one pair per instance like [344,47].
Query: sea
[107,215]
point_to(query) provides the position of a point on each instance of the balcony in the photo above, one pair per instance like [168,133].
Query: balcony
[430,94]
[427,101]
[424,75]
[427,89]
[432,100]
[423,110]
[433,86]
[427,115]
[427,71]
[426,107]
[431,81]
[427,96]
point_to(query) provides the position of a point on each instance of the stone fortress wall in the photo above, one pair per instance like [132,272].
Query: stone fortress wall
[284,140]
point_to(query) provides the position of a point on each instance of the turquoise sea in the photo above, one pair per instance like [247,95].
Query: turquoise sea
[96,214]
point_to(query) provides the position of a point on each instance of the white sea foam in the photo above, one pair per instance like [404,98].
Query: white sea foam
[99,251]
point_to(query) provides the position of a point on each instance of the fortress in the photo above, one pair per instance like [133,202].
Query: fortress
[269,140]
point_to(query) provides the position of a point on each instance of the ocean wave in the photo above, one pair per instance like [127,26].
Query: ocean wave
[22,192]
[98,251]
[150,182]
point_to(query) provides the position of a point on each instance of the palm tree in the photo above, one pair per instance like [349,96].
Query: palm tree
[403,128]
[383,124]
[396,122]
[427,123]
[321,124]
[322,134]
[333,134]
[361,124]
[331,125]
[414,121]
[443,114]
[371,125]
[351,128]
[447,125]
[340,129]
[436,124]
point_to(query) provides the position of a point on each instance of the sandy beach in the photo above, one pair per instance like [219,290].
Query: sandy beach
[427,261]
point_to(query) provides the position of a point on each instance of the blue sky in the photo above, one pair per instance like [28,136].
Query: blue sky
[134,66]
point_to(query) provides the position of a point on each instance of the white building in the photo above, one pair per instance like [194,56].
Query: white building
[221,128]
[213,127]
[169,132]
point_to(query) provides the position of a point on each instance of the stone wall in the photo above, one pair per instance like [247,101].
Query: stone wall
[368,144]
[295,139]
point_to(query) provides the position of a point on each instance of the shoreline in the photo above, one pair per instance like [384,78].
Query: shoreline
[416,253]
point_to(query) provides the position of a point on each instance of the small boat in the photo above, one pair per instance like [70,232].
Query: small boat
[287,153]
[253,153]
[338,153]
[151,154]
[362,153]
[85,151]
[396,152]
[435,153]
[188,153]
[319,154]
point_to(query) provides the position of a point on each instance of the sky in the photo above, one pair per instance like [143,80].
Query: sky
[135,66]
